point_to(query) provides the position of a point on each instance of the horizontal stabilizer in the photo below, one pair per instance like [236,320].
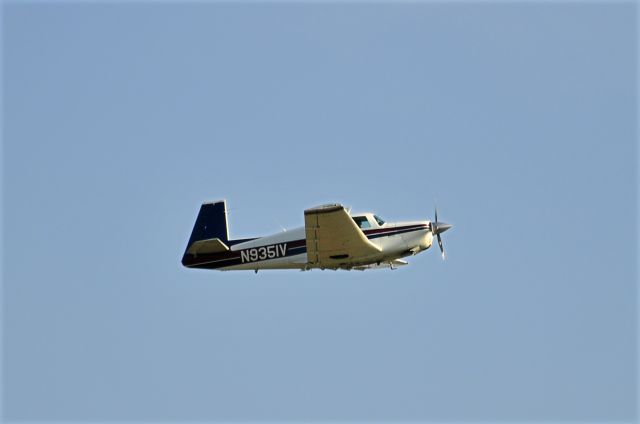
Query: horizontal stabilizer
[200,247]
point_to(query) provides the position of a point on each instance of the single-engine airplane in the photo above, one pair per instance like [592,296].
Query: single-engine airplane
[331,238]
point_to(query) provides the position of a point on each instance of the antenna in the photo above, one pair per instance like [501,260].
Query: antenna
[280,225]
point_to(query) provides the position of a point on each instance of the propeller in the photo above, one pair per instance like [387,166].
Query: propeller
[438,228]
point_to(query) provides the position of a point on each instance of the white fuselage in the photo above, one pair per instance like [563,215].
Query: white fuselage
[287,250]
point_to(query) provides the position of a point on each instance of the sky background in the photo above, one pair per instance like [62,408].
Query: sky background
[518,120]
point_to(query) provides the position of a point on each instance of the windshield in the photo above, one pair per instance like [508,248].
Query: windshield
[379,220]
[362,221]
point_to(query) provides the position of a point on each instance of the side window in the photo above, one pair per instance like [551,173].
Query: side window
[362,221]
[379,220]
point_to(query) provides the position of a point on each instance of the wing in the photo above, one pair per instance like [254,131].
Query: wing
[333,238]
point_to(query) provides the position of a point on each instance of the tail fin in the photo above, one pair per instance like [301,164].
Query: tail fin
[211,223]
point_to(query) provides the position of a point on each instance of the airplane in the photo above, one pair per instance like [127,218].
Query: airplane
[331,238]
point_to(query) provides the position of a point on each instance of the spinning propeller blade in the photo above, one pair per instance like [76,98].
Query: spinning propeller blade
[438,228]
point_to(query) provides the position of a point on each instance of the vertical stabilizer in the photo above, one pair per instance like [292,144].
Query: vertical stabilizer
[211,223]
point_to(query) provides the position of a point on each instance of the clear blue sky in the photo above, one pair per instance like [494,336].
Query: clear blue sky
[520,120]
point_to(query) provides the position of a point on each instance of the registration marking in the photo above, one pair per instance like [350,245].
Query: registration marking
[264,252]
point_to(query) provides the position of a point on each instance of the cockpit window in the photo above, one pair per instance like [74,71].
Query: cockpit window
[362,221]
[379,220]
